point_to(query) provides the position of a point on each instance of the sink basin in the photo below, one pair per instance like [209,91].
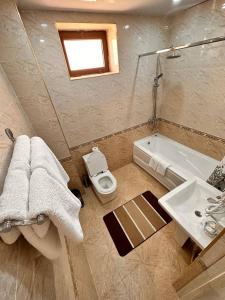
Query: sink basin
[186,205]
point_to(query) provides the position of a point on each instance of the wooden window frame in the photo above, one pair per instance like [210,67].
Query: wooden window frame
[86,35]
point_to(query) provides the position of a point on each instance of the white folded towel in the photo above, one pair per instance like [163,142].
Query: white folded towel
[162,166]
[48,196]
[158,164]
[14,201]
[49,246]
[43,157]
[153,163]
[14,198]
[21,154]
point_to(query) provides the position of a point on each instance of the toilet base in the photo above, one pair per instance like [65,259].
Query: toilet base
[104,198]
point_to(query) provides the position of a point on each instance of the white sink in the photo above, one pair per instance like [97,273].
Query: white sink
[183,202]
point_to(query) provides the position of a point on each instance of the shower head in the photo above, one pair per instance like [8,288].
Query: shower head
[173,54]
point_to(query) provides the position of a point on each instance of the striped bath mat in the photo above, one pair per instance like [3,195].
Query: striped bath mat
[135,221]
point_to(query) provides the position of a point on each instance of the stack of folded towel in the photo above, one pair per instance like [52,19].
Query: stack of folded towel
[36,184]
[14,198]
[158,164]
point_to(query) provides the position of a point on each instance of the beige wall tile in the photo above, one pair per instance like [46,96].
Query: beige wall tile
[11,116]
[117,148]
[95,107]
[71,169]
[20,65]
[203,144]
[194,89]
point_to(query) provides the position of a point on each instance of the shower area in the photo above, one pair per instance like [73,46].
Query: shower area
[172,53]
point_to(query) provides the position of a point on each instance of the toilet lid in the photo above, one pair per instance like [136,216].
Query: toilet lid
[96,163]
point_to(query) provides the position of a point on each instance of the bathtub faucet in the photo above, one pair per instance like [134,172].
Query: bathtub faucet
[153,122]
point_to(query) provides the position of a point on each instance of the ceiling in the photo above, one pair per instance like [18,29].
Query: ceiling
[151,7]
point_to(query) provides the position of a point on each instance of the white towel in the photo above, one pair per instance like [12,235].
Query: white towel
[21,154]
[162,166]
[49,246]
[14,201]
[14,198]
[43,157]
[158,164]
[153,163]
[48,196]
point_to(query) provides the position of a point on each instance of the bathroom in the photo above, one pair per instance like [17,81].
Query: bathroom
[135,137]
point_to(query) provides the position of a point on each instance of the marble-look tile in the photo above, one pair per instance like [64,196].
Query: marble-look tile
[24,273]
[81,272]
[12,116]
[203,144]
[149,270]
[117,148]
[95,107]
[20,65]
[71,168]
[194,90]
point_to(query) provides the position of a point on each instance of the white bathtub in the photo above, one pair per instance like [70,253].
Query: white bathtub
[185,162]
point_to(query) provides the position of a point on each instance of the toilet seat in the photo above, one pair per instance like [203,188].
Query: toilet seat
[96,163]
[103,181]
[101,187]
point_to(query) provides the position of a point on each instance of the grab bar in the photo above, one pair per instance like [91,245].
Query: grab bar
[7,225]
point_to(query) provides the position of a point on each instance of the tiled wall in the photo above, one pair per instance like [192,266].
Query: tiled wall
[193,89]
[22,269]
[118,148]
[11,116]
[19,63]
[96,107]
[197,140]
[194,85]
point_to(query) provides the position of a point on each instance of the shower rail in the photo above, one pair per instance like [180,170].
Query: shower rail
[7,225]
[189,45]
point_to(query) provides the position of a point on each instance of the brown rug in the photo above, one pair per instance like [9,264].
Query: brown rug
[135,221]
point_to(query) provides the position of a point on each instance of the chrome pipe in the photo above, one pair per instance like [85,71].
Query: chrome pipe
[189,45]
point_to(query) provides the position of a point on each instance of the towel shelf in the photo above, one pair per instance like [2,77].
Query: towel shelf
[7,225]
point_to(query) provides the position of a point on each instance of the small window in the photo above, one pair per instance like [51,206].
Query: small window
[86,52]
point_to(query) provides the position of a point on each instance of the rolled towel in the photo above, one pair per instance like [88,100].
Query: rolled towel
[43,157]
[49,246]
[48,196]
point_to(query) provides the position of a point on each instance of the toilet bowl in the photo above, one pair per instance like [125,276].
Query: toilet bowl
[103,181]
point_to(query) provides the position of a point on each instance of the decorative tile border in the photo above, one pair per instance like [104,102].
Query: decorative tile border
[198,132]
[69,158]
[109,136]
[201,133]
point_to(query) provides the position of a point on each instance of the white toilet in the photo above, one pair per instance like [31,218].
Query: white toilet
[103,181]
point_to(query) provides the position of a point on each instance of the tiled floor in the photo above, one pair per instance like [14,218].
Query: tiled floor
[24,273]
[147,272]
